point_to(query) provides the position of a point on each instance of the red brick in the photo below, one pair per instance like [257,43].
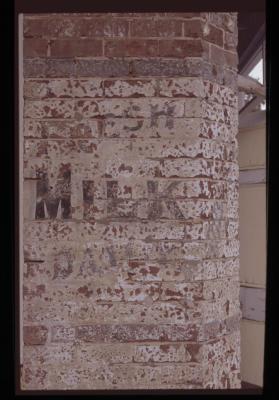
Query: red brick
[137,333]
[62,334]
[49,109]
[217,328]
[102,68]
[76,48]
[206,50]
[33,335]
[160,353]
[33,291]
[225,21]
[47,67]
[35,48]
[180,291]
[148,257]
[56,26]
[151,28]
[163,67]
[33,27]
[214,35]
[222,57]
[33,377]
[230,41]
[74,27]
[137,292]
[92,27]
[130,88]
[104,27]
[113,28]
[231,59]
[139,14]
[180,48]
[230,22]
[131,48]
[184,15]
[230,79]
[193,28]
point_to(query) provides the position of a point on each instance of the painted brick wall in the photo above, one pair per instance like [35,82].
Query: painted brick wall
[131,268]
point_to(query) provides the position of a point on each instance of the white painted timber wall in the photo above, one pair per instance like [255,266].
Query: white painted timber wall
[252,203]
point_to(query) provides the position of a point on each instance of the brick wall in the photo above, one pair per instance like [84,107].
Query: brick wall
[130,201]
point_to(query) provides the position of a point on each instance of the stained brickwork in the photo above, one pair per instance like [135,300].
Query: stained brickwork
[131,252]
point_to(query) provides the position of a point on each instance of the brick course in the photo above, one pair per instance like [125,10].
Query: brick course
[130,236]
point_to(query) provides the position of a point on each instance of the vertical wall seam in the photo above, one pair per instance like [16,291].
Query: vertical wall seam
[20,175]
